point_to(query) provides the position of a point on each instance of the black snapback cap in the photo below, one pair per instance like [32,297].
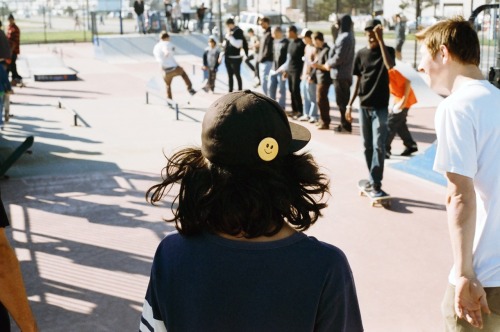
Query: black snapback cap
[246,127]
[372,24]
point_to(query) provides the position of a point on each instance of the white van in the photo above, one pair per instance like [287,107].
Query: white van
[248,20]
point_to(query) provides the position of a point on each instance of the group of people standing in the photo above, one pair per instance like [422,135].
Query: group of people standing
[310,67]
[243,203]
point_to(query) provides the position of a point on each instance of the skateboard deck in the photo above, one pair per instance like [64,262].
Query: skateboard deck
[14,156]
[384,200]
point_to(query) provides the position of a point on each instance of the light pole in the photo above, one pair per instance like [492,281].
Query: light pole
[220,20]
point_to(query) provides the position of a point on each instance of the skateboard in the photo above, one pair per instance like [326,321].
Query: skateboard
[384,200]
[14,156]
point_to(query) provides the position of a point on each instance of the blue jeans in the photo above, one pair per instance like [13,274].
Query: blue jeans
[140,24]
[309,93]
[264,69]
[276,81]
[373,123]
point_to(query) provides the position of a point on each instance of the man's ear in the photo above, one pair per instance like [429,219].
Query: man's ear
[445,54]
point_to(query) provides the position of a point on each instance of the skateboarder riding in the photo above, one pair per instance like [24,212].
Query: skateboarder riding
[164,54]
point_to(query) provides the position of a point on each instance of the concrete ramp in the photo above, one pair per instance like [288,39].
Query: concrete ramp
[47,67]
[137,47]
[421,165]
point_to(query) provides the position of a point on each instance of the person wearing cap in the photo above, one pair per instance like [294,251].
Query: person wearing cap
[265,54]
[323,80]
[239,260]
[13,299]
[14,37]
[308,84]
[211,63]
[276,75]
[467,126]
[293,70]
[340,63]
[164,54]
[371,84]
[232,53]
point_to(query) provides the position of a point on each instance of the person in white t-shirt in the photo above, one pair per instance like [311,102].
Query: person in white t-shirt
[164,54]
[468,152]
[186,13]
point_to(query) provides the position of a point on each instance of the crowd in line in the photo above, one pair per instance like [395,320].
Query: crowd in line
[309,67]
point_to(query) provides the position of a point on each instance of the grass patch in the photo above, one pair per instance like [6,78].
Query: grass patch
[36,37]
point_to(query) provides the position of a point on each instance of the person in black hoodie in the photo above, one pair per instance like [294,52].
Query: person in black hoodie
[323,79]
[139,11]
[265,54]
[232,53]
[295,63]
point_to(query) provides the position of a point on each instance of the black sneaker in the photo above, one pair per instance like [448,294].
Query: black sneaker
[408,151]
[341,130]
[387,155]
[192,91]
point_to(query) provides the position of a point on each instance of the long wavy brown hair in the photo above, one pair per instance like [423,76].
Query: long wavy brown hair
[242,201]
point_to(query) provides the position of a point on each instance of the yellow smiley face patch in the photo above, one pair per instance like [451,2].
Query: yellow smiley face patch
[268,149]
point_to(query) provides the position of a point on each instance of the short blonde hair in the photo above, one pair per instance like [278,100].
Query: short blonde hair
[457,35]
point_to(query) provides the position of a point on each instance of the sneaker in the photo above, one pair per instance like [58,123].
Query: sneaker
[387,155]
[205,88]
[313,120]
[297,116]
[408,151]
[376,193]
[341,130]
[303,118]
[192,91]
[324,126]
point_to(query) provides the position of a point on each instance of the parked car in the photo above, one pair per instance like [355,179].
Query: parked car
[425,21]
[248,20]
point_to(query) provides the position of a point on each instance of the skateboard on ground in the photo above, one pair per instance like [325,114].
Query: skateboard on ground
[16,154]
[384,200]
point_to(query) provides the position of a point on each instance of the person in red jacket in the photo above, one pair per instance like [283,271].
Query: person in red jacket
[14,37]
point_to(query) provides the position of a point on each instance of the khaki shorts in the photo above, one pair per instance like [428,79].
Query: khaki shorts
[491,323]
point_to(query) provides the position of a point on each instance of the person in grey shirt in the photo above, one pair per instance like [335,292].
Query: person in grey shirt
[340,64]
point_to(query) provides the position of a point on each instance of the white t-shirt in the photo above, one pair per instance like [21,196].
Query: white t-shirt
[468,134]
[164,54]
[185,6]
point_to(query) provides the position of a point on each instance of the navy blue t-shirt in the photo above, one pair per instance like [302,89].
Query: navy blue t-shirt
[209,283]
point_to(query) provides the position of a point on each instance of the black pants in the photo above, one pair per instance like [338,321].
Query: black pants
[342,95]
[248,61]
[212,75]
[323,102]
[397,125]
[233,66]
[185,20]
[13,68]
[294,87]
[4,319]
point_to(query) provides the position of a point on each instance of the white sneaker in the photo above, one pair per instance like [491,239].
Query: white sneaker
[313,120]
[303,118]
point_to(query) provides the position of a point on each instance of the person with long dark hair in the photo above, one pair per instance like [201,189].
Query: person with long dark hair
[239,260]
